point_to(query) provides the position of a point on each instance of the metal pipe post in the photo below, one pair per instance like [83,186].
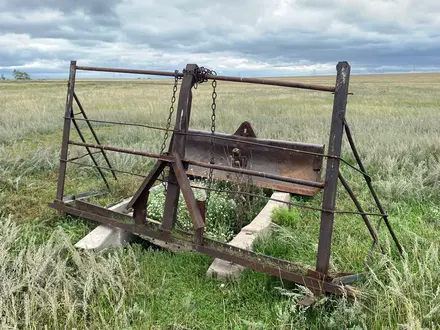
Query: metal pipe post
[332,169]
[66,131]
[178,144]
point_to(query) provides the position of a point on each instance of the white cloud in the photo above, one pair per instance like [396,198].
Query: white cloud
[265,36]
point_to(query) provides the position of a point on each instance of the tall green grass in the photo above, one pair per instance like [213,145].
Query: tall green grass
[47,283]
[52,285]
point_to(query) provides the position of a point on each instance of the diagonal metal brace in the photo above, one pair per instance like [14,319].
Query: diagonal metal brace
[148,182]
[356,202]
[139,200]
[190,200]
[88,150]
[371,188]
[93,132]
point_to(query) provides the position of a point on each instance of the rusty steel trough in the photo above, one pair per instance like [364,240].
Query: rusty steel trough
[240,150]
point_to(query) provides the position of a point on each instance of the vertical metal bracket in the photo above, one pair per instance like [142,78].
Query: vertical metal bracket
[178,145]
[66,132]
[332,169]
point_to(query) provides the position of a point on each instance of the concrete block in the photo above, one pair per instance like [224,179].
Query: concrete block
[104,236]
[224,270]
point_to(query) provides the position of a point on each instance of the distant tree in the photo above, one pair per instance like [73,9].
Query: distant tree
[20,75]
[2,77]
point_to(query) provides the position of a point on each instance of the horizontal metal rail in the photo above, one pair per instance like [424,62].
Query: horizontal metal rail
[307,207]
[260,81]
[103,168]
[224,138]
[84,155]
[274,82]
[170,159]
[130,71]
[124,123]
[259,262]
[307,183]
[165,158]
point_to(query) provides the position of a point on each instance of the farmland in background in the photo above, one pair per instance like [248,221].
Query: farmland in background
[395,120]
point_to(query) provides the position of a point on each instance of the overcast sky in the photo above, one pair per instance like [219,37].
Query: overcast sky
[240,37]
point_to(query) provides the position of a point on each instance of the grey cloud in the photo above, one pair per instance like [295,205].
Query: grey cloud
[83,19]
[313,32]
[68,31]
[92,7]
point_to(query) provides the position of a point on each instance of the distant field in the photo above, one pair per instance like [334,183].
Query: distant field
[396,123]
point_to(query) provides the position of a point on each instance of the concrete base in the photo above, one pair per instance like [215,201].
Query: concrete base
[225,270]
[104,236]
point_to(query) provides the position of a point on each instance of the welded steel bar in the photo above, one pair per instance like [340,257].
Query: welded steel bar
[370,187]
[307,183]
[66,131]
[123,150]
[256,261]
[83,155]
[140,198]
[103,168]
[273,82]
[373,244]
[205,165]
[130,71]
[153,175]
[332,169]
[260,81]
[356,202]
[178,146]
[95,136]
[81,136]
[307,207]
[187,192]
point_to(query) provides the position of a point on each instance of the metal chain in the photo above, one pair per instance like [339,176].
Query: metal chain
[212,161]
[200,76]
[165,137]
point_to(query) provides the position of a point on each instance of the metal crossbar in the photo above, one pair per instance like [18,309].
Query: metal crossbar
[244,193]
[271,82]
[216,137]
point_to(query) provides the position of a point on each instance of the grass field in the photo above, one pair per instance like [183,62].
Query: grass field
[46,282]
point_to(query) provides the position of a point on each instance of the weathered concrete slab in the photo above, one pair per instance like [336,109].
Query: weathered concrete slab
[104,236]
[225,270]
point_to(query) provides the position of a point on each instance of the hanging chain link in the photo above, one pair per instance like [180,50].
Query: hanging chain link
[201,76]
[170,115]
[212,161]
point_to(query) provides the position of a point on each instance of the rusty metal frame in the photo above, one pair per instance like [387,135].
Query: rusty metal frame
[318,280]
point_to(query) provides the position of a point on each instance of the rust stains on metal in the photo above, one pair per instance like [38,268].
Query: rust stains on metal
[261,81]
[281,165]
